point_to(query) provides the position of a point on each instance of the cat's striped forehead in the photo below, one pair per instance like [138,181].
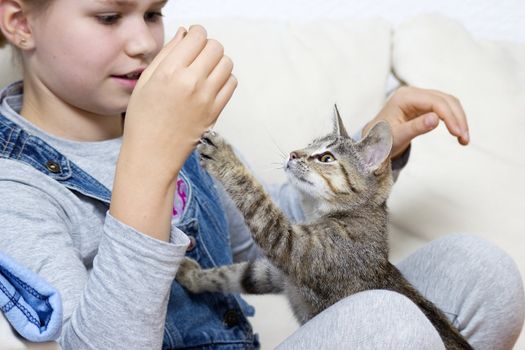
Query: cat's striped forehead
[336,144]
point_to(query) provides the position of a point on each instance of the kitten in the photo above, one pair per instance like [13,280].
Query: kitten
[340,251]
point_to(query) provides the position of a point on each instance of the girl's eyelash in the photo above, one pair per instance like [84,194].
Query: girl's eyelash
[153,16]
[108,19]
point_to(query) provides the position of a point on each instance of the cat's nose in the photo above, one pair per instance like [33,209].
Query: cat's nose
[294,155]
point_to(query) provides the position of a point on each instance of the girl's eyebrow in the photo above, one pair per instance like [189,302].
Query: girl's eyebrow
[127,3]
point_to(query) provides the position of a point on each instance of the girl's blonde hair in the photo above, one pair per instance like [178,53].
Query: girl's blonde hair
[32,5]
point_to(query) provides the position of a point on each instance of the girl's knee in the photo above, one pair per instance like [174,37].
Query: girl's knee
[485,260]
[495,284]
[374,319]
[390,320]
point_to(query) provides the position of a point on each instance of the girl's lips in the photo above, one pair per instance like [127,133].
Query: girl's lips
[125,82]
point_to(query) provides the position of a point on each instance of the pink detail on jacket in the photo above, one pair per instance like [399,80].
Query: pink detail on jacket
[181,198]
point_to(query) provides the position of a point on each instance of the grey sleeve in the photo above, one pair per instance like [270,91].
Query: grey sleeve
[242,244]
[399,163]
[126,292]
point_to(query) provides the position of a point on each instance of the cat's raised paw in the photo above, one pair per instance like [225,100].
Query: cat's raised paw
[216,154]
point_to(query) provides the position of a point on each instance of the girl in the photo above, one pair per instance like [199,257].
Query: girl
[105,210]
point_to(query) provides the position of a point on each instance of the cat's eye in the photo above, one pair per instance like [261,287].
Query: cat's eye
[326,157]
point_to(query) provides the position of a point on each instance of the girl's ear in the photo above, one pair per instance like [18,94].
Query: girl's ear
[375,148]
[14,24]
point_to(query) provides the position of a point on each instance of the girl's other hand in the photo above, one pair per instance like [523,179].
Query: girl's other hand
[177,98]
[413,111]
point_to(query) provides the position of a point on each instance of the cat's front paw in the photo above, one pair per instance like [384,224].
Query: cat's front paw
[188,274]
[216,154]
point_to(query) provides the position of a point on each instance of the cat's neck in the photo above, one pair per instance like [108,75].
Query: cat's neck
[311,207]
[314,208]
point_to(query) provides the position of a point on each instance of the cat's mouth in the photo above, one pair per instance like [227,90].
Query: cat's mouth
[297,174]
[301,178]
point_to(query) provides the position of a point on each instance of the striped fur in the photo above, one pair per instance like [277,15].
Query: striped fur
[341,249]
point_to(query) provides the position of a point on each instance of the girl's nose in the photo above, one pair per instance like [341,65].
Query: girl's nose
[142,41]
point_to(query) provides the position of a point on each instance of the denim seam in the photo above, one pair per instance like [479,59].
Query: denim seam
[9,296]
[24,285]
[168,335]
[7,307]
[2,141]
[19,306]
[7,142]
[22,147]
[34,293]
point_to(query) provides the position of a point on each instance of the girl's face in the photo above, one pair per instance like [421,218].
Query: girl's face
[83,48]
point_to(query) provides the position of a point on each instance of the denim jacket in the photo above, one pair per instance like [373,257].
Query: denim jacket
[204,321]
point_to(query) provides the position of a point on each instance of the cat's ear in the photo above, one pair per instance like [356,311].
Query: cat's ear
[375,147]
[339,128]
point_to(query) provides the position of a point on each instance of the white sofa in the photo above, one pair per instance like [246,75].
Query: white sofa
[295,59]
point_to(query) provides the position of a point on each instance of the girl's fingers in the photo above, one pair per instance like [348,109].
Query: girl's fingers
[459,113]
[405,132]
[224,95]
[220,74]
[428,101]
[445,113]
[181,32]
[208,58]
[184,53]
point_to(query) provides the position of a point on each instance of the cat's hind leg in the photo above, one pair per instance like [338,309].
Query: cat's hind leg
[257,277]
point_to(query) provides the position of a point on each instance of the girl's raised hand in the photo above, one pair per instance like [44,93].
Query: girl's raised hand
[178,97]
[413,111]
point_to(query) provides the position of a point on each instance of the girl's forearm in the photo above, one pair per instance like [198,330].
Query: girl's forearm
[143,195]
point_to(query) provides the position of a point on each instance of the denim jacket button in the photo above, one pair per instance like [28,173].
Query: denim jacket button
[231,318]
[192,245]
[53,167]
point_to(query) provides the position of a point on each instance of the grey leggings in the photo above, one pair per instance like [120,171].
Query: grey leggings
[475,283]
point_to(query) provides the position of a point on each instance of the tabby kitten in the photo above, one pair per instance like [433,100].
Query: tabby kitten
[343,248]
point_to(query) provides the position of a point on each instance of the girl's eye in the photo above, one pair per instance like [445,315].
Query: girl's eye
[326,157]
[113,18]
[108,19]
[153,16]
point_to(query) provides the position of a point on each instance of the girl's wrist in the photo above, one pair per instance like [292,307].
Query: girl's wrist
[164,166]
[143,201]
[143,191]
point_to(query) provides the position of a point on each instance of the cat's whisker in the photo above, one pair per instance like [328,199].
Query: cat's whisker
[280,168]
[281,152]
